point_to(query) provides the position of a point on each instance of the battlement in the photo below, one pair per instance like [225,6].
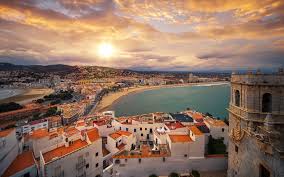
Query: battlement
[258,78]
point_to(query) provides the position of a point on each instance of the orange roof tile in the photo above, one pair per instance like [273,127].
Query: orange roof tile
[215,122]
[61,151]
[121,146]
[71,131]
[93,134]
[180,138]
[21,162]
[174,125]
[119,133]
[5,133]
[39,133]
[195,130]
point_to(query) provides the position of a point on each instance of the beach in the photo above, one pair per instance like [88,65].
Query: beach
[111,98]
[26,95]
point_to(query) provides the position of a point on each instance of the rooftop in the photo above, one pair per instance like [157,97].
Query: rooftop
[180,138]
[21,162]
[174,125]
[195,130]
[6,132]
[181,117]
[215,122]
[93,134]
[63,150]
[39,133]
[119,133]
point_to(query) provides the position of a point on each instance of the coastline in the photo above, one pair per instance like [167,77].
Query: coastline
[27,95]
[110,99]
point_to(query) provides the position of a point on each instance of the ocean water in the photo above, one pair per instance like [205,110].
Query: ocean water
[213,99]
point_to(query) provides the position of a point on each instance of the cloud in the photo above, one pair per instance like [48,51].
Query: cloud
[148,34]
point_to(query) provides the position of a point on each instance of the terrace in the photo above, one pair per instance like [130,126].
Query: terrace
[145,151]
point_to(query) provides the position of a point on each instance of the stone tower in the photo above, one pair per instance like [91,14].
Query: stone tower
[256,130]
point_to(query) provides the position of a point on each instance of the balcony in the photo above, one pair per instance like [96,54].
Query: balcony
[81,164]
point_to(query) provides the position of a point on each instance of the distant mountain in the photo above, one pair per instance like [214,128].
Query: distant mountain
[60,69]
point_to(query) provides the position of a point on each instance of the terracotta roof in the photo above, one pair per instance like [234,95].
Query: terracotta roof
[180,138]
[61,151]
[100,122]
[39,133]
[71,131]
[119,133]
[195,130]
[5,133]
[93,134]
[174,125]
[215,122]
[197,115]
[21,162]
[54,118]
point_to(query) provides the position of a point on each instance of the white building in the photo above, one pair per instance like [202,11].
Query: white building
[77,155]
[34,125]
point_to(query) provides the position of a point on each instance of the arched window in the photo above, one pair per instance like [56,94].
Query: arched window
[237,98]
[267,102]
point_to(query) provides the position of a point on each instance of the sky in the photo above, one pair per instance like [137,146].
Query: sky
[175,35]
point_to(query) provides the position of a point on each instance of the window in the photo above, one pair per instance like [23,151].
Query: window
[164,159]
[145,128]
[263,172]
[97,154]
[97,164]
[134,129]
[151,131]
[236,149]
[87,166]
[126,129]
[125,160]
[185,155]
[267,102]
[237,98]
[141,134]
[119,128]
[140,128]
[139,160]
[117,161]
[223,129]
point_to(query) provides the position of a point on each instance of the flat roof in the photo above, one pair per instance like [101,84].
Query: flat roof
[62,151]
[119,133]
[182,117]
[180,138]
[21,162]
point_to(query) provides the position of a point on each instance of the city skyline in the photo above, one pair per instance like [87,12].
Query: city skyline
[144,35]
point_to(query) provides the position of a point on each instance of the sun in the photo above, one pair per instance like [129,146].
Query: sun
[105,50]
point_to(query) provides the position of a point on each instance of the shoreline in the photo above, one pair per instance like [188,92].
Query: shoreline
[112,98]
[28,95]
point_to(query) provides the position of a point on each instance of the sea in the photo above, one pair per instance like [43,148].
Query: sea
[213,99]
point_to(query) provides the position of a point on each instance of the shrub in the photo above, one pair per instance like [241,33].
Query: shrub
[195,173]
[5,107]
[173,174]
[153,175]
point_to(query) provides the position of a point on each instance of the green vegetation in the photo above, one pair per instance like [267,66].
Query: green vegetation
[63,95]
[58,101]
[5,107]
[195,173]
[173,174]
[153,175]
[51,112]
[216,146]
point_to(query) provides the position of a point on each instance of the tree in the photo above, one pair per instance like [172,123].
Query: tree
[173,174]
[195,173]
[153,175]
[5,107]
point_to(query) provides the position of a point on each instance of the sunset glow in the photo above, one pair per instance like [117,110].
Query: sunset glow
[105,50]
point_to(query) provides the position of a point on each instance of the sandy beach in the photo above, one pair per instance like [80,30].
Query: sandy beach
[111,98]
[27,96]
